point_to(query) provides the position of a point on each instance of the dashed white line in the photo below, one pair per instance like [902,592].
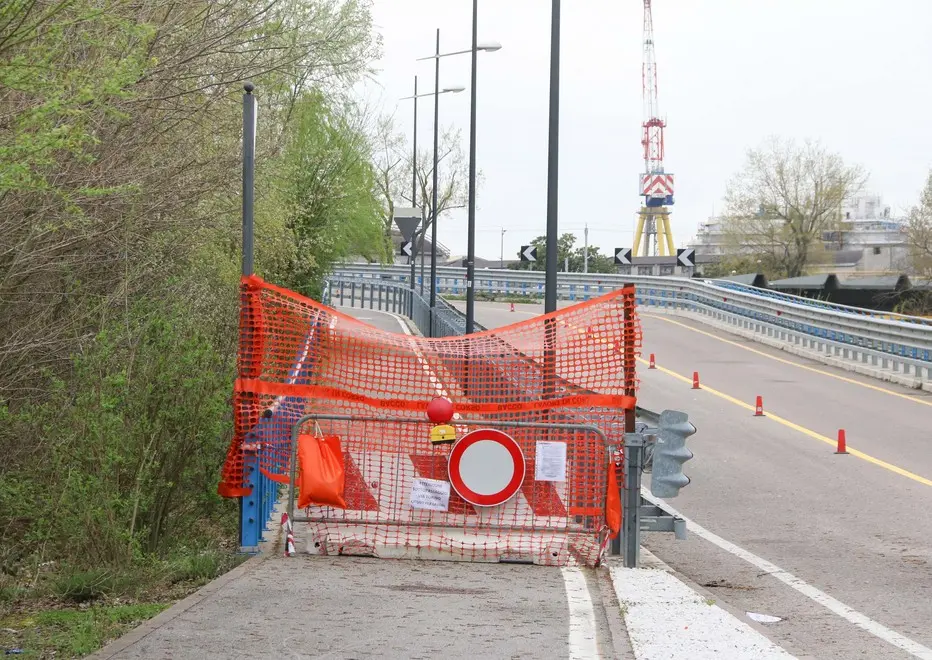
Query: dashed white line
[862,621]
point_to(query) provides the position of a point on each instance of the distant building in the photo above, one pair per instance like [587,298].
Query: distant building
[868,239]
[868,226]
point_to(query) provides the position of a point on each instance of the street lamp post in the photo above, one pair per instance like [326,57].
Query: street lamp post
[471,223]
[501,254]
[433,226]
[550,276]
[414,188]
[415,250]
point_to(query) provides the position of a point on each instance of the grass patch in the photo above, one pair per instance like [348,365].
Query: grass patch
[71,633]
[69,612]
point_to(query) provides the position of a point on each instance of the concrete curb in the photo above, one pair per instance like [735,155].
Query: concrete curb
[650,562]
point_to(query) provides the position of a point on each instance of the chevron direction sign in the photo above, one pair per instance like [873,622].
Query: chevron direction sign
[622,256]
[528,253]
[686,257]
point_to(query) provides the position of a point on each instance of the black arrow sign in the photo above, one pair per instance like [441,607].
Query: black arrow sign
[623,256]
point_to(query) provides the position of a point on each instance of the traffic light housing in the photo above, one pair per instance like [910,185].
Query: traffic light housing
[670,453]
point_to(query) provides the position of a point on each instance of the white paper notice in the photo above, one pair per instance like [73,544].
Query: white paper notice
[551,461]
[430,494]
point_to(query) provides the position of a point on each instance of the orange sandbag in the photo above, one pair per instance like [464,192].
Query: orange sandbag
[320,472]
[613,503]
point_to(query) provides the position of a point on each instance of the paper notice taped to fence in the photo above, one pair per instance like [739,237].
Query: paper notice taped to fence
[430,494]
[550,464]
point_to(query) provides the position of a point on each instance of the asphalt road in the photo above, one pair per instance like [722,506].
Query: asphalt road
[856,527]
[380,320]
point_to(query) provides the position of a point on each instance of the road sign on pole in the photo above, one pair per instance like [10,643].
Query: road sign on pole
[406,249]
[686,257]
[528,253]
[407,220]
[622,256]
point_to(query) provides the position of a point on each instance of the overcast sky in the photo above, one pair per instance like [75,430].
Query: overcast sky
[856,74]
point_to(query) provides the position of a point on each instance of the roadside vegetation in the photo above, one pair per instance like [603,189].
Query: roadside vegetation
[120,169]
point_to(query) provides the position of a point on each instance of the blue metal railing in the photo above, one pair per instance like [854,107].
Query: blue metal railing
[819,304]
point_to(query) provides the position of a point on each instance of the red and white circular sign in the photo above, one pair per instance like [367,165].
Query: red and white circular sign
[486,467]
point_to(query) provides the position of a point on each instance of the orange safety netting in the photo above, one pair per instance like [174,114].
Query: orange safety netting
[575,366]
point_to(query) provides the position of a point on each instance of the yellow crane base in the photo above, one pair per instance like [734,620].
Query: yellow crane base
[653,222]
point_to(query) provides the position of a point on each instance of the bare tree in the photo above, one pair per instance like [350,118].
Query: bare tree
[392,158]
[779,205]
[919,232]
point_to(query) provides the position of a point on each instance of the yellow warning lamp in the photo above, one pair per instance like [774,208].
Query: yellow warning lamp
[442,434]
[440,412]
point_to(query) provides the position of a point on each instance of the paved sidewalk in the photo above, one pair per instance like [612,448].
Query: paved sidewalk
[348,607]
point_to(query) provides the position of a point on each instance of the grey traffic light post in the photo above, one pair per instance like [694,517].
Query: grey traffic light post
[662,451]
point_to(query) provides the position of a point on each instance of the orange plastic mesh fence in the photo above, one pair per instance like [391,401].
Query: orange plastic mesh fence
[299,357]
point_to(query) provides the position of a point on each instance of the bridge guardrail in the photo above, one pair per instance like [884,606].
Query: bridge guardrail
[822,304]
[906,340]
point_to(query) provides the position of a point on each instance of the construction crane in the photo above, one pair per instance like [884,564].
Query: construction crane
[653,234]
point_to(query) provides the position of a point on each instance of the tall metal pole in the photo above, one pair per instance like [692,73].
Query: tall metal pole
[550,277]
[248,518]
[585,267]
[249,176]
[471,222]
[501,254]
[433,228]
[414,186]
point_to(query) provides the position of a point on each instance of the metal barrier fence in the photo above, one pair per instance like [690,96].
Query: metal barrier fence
[399,500]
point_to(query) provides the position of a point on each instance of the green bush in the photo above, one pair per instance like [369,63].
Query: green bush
[128,451]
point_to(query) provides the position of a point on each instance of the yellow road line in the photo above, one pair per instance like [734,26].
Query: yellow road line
[876,388]
[796,427]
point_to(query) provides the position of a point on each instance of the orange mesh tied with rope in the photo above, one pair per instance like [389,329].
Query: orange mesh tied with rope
[575,366]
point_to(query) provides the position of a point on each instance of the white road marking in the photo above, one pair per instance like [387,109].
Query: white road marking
[438,386]
[851,615]
[667,619]
[583,644]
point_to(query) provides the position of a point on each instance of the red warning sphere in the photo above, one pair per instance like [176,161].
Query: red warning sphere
[440,410]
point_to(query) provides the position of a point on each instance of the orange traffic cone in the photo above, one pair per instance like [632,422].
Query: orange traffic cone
[512,307]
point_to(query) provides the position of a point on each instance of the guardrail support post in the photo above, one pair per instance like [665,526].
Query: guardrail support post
[631,508]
